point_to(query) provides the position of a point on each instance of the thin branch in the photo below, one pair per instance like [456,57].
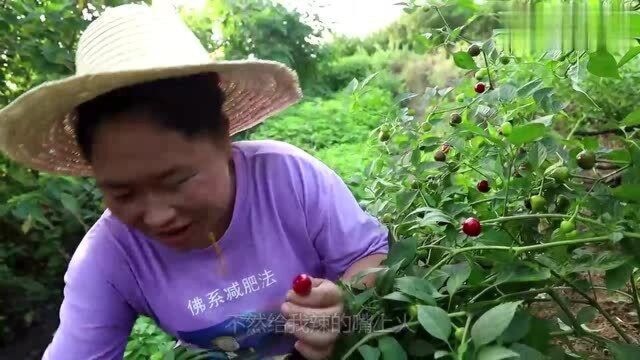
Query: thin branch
[591,301]
[616,131]
[636,301]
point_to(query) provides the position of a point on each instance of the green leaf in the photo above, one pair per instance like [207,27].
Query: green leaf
[419,288]
[496,353]
[27,224]
[631,53]
[539,335]
[624,351]
[523,134]
[528,88]
[632,118]
[602,63]
[586,315]
[391,349]
[540,94]
[435,321]
[527,353]
[440,354]
[405,198]
[517,329]
[464,60]
[385,282]
[616,236]
[627,192]
[495,236]
[353,85]
[397,296]
[537,155]
[507,93]
[70,203]
[369,352]
[458,274]
[514,272]
[362,298]
[493,323]
[402,249]
[368,78]
[544,120]
[617,278]
[420,348]
[584,94]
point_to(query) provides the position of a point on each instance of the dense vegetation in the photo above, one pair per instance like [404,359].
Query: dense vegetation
[513,205]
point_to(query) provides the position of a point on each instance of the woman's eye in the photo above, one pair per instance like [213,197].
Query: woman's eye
[181,180]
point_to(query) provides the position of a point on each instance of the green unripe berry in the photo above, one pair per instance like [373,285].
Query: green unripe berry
[538,203]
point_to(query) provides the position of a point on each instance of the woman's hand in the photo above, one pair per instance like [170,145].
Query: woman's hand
[315,318]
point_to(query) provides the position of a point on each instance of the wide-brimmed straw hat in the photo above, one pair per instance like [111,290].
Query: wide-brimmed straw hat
[126,45]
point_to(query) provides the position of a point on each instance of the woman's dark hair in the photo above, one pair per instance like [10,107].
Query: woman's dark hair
[190,105]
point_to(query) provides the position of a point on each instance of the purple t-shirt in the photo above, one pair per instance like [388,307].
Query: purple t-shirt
[292,215]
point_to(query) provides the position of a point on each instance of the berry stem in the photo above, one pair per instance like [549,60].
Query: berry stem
[616,162]
[506,187]
[575,127]
[486,200]
[486,63]
[467,325]
[634,290]
[541,187]
[476,170]
[439,263]
[516,249]
[443,19]
[546,216]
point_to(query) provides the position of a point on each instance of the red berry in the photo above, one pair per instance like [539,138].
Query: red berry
[480,88]
[483,186]
[471,227]
[302,284]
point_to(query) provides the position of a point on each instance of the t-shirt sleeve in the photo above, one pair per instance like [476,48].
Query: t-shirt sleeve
[95,318]
[341,231]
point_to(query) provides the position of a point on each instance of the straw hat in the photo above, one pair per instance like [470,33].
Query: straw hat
[126,45]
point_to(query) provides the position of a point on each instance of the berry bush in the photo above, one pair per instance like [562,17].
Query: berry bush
[507,218]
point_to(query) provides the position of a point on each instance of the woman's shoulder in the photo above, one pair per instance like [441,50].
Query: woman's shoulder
[273,148]
[101,245]
[278,154]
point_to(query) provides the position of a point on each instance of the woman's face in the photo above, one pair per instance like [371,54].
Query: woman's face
[173,189]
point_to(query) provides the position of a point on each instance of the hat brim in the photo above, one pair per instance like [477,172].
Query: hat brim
[37,129]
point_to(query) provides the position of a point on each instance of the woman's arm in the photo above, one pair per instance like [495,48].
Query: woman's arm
[95,317]
[363,264]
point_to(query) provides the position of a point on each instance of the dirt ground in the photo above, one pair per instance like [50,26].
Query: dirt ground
[619,306]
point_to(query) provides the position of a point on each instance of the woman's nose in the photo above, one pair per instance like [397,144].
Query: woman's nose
[158,215]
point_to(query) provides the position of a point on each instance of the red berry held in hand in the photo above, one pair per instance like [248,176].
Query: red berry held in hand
[480,87]
[483,186]
[471,227]
[302,284]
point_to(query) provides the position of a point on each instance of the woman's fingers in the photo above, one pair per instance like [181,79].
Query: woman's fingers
[319,339]
[311,353]
[312,317]
[324,293]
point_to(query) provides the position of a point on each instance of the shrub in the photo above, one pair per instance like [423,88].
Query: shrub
[42,219]
[336,74]
[349,162]
[317,123]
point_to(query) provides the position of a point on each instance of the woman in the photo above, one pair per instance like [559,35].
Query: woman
[202,234]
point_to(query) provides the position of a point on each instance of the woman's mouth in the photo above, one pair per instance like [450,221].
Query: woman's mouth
[175,235]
